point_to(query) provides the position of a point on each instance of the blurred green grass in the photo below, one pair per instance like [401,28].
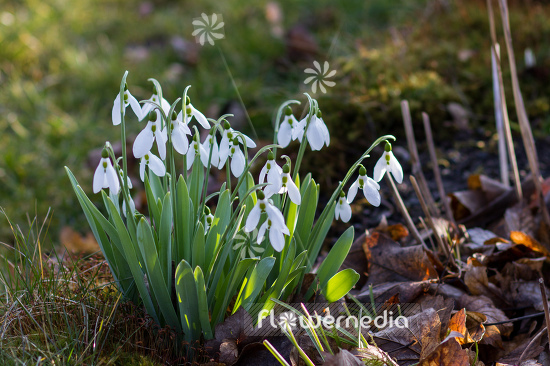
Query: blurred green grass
[61,62]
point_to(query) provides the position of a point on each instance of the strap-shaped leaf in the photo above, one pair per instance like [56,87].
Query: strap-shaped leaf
[340,284]
[306,213]
[254,283]
[203,304]
[184,225]
[186,291]
[199,243]
[165,240]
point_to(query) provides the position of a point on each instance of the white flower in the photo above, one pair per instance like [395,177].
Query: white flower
[368,185]
[132,206]
[179,131]
[273,172]
[317,132]
[208,219]
[148,107]
[154,163]
[275,222]
[144,140]
[238,160]
[191,112]
[343,209]
[121,174]
[228,137]
[287,128]
[287,186]
[105,175]
[388,162]
[128,99]
[208,29]
[196,149]
[320,76]
[210,143]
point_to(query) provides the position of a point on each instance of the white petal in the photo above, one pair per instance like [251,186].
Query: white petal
[144,142]
[147,107]
[370,190]
[353,190]
[249,142]
[263,173]
[204,155]
[337,210]
[238,162]
[277,239]
[179,140]
[324,130]
[135,106]
[274,176]
[315,135]
[200,117]
[293,192]
[165,106]
[224,150]
[275,216]
[261,232]
[99,177]
[190,155]
[115,114]
[142,166]
[253,218]
[160,136]
[285,134]
[156,165]
[298,131]
[112,178]
[380,168]
[345,213]
[395,169]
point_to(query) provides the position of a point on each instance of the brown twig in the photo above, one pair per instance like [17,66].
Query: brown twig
[401,206]
[440,242]
[437,173]
[415,160]
[504,110]
[525,127]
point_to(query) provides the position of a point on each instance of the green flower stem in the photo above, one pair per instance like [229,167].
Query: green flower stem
[312,111]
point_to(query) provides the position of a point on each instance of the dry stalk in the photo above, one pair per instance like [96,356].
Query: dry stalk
[415,160]
[437,173]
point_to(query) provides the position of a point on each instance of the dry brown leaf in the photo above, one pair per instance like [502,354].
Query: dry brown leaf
[389,262]
[407,291]
[342,358]
[458,324]
[522,238]
[229,351]
[444,308]
[465,203]
[449,353]
[76,243]
[372,353]
[475,327]
[520,218]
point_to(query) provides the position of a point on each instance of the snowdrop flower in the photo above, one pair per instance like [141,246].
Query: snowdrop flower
[210,143]
[178,130]
[343,209]
[196,149]
[275,222]
[148,107]
[128,99]
[151,132]
[132,206]
[121,174]
[288,186]
[191,112]
[238,161]
[276,235]
[228,136]
[368,185]
[105,175]
[317,132]
[208,218]
[154,163]
[287,128]
[273,172]
[388,162]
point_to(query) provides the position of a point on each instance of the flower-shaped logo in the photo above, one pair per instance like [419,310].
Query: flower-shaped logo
[288,318]
[208,28]
[246,243]
[320,77]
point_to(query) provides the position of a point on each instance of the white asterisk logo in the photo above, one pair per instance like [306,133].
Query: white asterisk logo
[288,318]
[246,243]
[320,76]
[208,29]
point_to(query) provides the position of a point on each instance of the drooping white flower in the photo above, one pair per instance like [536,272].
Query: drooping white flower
[389,163]
[317,132]
[196,149]
[132,206]
[148,107]
[208,218]
[287,128]
[276,235]
[121,174]
[238,160]
[343,209]
[210,143]
[228,137]
[274,174]
[153,131]
[276,221]
[179,130]
[154,163]
[128,100]
[368,185]
[105,175]
[289,186]
[191,112]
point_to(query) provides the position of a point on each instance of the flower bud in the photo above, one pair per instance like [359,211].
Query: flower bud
[342,194]
[226,125]
[206,210]
[362,170]
[387,147]
[174,116]
[152,116]
[260,194]
[286,169]
[288,111]
[270,156]
[319,114]
[187,100]
[104,153]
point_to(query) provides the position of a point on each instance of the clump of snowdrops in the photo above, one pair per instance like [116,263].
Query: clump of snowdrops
[190,265]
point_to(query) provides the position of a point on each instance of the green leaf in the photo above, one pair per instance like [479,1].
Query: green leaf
[254,284]
[203,304]
[185,224]
[306,213]
[196,183]
[186,291]
[154,210]
[198,247]
[340,284]
[165,239]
